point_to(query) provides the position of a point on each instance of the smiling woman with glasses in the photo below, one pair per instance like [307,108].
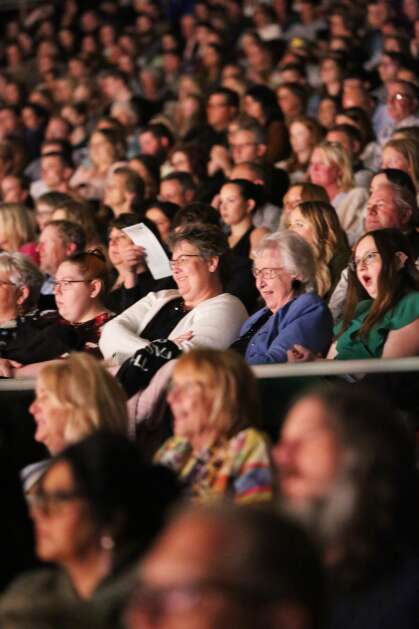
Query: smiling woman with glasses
[162,324]
[284,269]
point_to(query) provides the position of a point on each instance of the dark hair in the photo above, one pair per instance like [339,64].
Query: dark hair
[232,98]
[127,497]
[394,280]
[268,101]
[196,213]
[398,177]
[169,209]
[184,179]
[132,182]
[53,199]
[248,190]
[70,233]
[377,523]
[160,131]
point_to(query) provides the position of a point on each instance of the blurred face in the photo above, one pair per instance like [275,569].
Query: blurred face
[12,191]
[321,172]
[394,159]
[53,171]
[272,281]
[244,147]
[338,137]
[73,293]
[292,198]
[368,265]
[100,150]
[329,71]
[400,104]
[64,527]
[253,108]
[308,454]
[171,190]
[174,592]
[382,212]
[327,113]
[191,272]
[233,207]
[190,403]
[301,225]
[300,137]
[43,214]
[50,418]
[160,220]
[115,193]
[219,112]
[52,250]
[117,238]
[289,102]
[9,295]
[180,162]
[387,69]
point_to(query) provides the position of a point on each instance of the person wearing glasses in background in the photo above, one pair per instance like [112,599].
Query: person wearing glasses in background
[381,316]
[198,314]
[95,512]
[402,108]
[284,269]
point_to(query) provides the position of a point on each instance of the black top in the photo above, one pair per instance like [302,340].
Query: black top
[165,320]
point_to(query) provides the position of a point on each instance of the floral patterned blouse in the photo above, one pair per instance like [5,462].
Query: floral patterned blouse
[239,467]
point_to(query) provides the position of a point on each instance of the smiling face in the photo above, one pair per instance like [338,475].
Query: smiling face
[321,171]
[233,207]
[192,273]
[50,418]
[368,265]
[400,102]
[308,454]
[301,225]
[190,403]
[276,291]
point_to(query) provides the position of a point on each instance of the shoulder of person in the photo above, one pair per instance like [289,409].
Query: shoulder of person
[33,584]
[224,299]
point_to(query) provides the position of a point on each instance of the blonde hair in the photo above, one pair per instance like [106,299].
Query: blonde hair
[91,398]
[334,154]
[330,239]
[17,223]
[409,149]
[230,383]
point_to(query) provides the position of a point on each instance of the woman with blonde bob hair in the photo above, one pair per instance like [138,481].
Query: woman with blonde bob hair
[17,230]
[74,398]
[318,223]
[331,168]
[215,450]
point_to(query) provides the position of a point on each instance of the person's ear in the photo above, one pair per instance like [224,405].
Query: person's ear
[261,149]
[251,204]
[95,288]
[402,257]
[23,294]
[213,263]
[70,249]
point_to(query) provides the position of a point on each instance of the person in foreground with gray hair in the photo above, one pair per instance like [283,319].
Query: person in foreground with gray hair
[284,269]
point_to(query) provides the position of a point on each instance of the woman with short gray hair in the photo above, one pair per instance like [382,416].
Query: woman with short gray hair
[284,269]
[20,284]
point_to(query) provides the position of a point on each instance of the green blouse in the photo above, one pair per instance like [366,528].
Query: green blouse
[351,347]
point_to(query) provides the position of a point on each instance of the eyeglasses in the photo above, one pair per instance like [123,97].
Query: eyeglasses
[66,284]
[183,260]
[367,259]
[52,502]
[267,274]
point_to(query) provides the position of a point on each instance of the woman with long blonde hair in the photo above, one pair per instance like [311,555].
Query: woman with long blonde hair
[318,223]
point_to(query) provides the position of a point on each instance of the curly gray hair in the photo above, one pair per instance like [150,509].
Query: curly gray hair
[22,272]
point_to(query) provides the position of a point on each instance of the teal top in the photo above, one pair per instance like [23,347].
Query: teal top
[351,347]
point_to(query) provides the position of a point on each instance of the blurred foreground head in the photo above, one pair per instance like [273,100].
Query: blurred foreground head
[229,567]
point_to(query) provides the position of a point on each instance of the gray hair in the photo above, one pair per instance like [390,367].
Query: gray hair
[296,255]
[22,272]
[406,203]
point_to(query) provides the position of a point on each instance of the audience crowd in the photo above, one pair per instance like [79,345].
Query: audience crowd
[269,151]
